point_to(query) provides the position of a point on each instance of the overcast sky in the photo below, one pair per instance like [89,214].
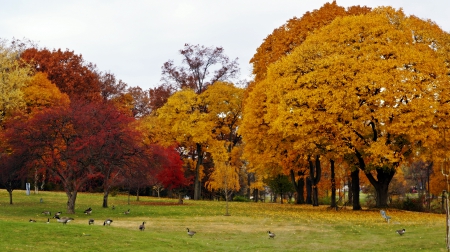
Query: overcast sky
[132,39]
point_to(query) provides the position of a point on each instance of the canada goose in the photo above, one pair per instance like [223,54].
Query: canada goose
[400,231]
[127,212]
[48,220]
[32,220]
[142,226]
[57,214]
[271,235]
[107,222]
[190,233]
[91,221]
[88,211]
[47,213]
[63,220]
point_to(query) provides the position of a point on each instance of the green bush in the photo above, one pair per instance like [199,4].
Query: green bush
[240,198]
[413,204]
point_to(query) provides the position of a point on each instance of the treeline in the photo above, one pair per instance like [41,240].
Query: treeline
[341,96]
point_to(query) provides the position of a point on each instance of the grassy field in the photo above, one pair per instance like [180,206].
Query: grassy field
[297,228]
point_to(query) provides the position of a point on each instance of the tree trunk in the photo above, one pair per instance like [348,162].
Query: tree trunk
[105,199]
[197,182]
[382,193]
[308,190]
[10,196]
[299,187]
[355,189]
[350,191]
[333,185]
[249,176]
[256,195]
[315,174]
[381,184]
[71,198]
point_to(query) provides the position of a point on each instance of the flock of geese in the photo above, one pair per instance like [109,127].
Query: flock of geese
[191,233]
[107,222]
[65,220]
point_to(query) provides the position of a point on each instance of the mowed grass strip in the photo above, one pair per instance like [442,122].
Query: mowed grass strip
[297,227]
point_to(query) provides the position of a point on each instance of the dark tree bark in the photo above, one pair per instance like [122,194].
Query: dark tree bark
[256,195]
[299,187]
[381,184]
[308,190]
[355,190]
[333,185]
[197,183]
[105,199]
[315,174]
[71,198]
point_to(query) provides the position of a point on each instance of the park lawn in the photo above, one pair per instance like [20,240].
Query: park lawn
[297,227]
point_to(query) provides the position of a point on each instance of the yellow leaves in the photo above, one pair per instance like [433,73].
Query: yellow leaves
[13,77]
[224,177]
[42,93]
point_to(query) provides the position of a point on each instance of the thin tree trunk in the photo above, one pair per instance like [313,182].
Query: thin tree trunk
[10,197]
[333,185]
[105,199]
[197,182]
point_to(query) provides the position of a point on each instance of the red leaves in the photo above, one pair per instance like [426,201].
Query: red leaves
[71,74]
[170,172]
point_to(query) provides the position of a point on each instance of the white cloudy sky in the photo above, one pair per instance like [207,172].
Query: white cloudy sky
[133,38]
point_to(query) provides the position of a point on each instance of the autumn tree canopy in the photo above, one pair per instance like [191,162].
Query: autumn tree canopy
[198,121]
[67,70]
[76,143]
[201,66]
[284,39]
[13,77]
[372,86]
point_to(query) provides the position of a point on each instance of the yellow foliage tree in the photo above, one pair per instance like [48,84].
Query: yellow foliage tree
[284,39]
[41,93]
[372,86]
[260,144]
[201,122]
[14,75]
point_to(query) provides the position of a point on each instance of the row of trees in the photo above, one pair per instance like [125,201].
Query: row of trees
[65,121]
[351,89]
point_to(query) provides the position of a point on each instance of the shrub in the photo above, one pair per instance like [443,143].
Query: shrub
[240,198]
[413,204]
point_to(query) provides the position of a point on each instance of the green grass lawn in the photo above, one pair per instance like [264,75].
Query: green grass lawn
[297,228]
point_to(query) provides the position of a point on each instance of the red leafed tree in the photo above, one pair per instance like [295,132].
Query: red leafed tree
[71,74]
[141,99]
[159,96]
[169,169]
[76,143]
[112,144]
[11,172]
[110,87]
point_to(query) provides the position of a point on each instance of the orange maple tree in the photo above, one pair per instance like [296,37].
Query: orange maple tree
[69,71]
